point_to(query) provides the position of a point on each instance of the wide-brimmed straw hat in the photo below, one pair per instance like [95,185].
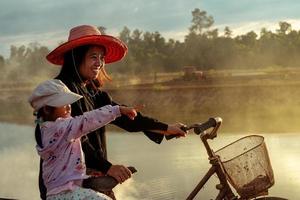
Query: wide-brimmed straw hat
[89,35]
[52,93]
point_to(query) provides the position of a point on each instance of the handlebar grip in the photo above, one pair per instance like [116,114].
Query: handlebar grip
[169,137]
[132,169]
[103,183]
[206,125]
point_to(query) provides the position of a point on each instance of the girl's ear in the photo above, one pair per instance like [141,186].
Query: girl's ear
[47,113]
[46,110]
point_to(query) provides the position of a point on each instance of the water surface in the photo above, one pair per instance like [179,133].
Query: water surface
[166,171]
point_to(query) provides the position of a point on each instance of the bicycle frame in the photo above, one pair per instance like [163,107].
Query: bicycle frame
[225,192]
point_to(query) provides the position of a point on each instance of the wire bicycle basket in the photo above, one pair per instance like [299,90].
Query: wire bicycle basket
[247,166]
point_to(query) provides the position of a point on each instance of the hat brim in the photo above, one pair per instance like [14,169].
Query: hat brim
[115,48]
[63,99]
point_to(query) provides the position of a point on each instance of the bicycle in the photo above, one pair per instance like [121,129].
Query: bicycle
[249,173]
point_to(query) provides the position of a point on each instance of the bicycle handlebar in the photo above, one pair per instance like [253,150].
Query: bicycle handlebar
[200,128]
[206,125]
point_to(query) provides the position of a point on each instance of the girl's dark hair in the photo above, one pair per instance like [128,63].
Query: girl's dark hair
[68,71]
[39,115]
[38,135]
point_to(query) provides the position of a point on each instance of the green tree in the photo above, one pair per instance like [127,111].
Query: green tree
[200,21]
[136,45]
[213,34]
[102,29]
[2,62]
[17,54]
[173,56]
[125,35]
[227,32]
[27,63]
[264,33]
[198,42]
[249,40]
[284,28]
[150,52]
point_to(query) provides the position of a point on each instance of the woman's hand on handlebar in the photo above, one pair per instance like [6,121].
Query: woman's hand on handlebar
[176,129]
[119,172]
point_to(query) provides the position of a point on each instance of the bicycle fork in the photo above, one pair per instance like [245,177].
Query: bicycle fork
[225,192]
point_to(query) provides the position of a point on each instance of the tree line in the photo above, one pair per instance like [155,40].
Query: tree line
[203,47]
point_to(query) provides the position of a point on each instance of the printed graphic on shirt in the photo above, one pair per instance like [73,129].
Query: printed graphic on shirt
[79,165]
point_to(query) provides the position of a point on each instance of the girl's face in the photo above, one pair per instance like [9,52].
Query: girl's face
[92,63]
[63,112]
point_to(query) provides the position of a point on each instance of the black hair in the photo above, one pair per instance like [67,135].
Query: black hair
[38,134]
[68,70]
[40,116]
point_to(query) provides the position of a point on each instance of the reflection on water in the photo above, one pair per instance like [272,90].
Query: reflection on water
[166,171]
[19,162]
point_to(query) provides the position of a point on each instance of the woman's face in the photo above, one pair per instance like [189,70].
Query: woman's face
[92,62]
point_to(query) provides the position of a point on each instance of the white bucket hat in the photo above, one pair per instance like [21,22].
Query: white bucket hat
[52,93]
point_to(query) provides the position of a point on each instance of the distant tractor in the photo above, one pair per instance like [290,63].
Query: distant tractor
[191,74]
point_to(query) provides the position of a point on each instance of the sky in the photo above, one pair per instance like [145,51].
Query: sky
[47,22]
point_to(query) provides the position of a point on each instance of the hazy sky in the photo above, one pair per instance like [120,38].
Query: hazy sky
[48,21]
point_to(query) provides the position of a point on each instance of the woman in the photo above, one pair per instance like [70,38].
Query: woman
[83,58]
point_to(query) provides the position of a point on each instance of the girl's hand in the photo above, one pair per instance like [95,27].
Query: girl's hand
[119,172]
[130,112]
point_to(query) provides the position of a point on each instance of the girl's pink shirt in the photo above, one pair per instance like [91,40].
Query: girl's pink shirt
[63,159]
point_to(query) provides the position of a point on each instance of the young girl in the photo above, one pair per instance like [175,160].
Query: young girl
[58,138]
